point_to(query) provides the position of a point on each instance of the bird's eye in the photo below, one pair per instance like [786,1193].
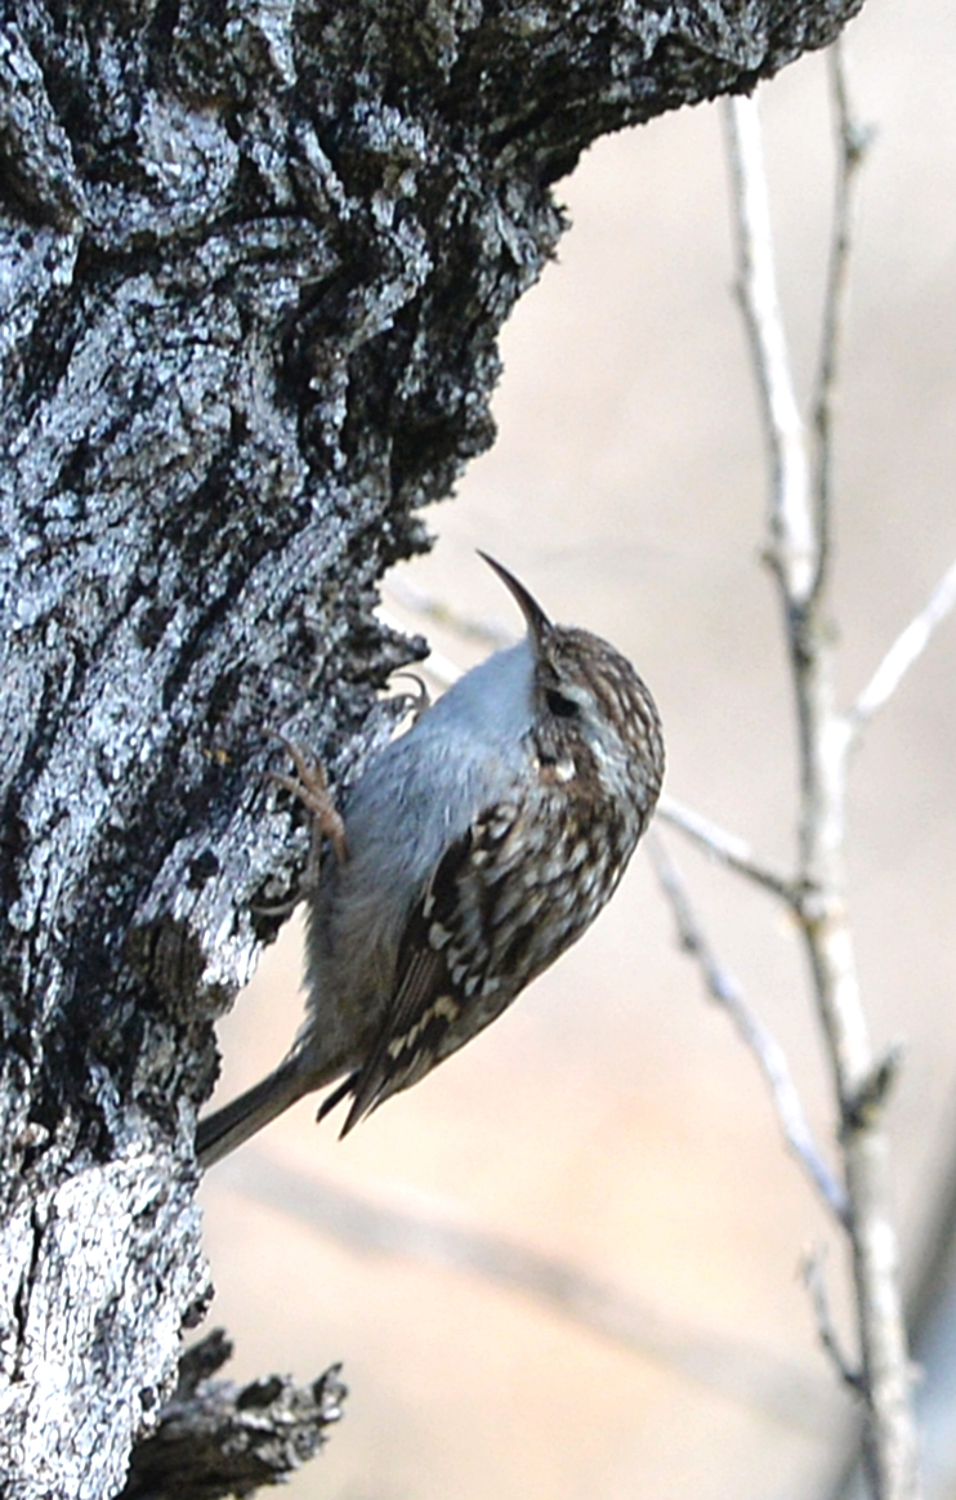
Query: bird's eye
[560,706]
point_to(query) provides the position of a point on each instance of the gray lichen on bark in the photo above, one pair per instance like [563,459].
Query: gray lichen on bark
[254,258]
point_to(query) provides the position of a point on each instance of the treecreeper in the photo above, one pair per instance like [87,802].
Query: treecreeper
[470,853]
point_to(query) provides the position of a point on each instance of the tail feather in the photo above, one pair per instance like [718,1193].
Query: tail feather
[227,1128]
[336,1097]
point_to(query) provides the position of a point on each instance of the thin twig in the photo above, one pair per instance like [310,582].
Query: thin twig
[770,1056]
[792,551]
[440,612]
[814,1279]
[852,140]
[728,848]
[905,650]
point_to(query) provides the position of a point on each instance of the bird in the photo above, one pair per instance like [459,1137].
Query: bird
[470,853]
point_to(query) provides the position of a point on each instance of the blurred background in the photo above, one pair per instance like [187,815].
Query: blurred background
[566,1264]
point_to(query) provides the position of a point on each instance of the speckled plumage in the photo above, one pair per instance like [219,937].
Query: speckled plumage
[481,844]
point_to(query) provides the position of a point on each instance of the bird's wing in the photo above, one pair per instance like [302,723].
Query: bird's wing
[434,967]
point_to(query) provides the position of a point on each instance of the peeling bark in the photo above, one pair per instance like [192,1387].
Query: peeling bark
[254,258]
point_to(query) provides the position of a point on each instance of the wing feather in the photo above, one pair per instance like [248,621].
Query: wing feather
[425,1001]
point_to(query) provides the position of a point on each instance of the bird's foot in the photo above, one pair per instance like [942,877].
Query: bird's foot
[309,786]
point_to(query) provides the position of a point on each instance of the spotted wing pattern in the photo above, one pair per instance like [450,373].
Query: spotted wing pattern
[495,913]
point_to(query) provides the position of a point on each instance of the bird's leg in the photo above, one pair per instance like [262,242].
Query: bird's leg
[310,786]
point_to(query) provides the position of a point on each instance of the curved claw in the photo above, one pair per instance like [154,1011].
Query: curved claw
[310,787]
[422,700]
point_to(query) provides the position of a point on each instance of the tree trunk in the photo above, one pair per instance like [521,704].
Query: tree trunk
[255,257]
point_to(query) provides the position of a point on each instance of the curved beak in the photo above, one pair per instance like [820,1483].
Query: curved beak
[539,626]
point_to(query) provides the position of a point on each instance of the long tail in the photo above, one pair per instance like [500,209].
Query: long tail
[227,1128]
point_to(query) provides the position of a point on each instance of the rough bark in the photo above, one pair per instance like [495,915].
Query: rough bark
[215,1439]
[254,256]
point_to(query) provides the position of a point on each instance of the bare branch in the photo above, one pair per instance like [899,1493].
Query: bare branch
[793,548]
[905,650]
[770,1056]
[852,142]
[814,1279]
[728,848]
[798,547]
